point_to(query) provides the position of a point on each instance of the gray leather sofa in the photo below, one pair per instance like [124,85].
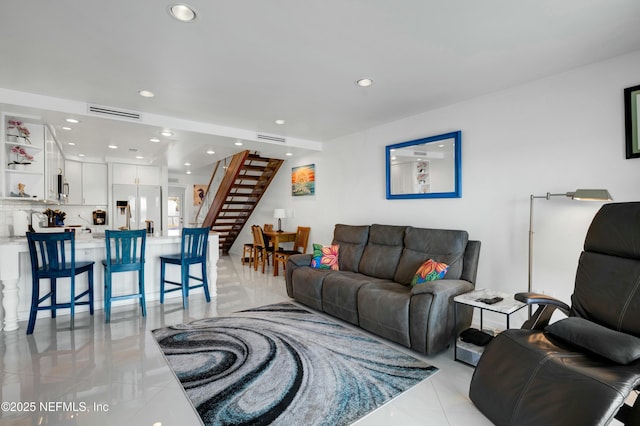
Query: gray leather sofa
[372,287]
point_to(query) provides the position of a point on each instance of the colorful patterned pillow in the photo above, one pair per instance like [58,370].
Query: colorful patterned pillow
[429,271]
[325,257]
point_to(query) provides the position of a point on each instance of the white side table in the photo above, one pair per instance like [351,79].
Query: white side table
[507,306]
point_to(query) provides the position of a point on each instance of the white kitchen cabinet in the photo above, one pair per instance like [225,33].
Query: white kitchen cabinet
[53,167]
[87,183]
[73,176]
[94,184]
[136,175]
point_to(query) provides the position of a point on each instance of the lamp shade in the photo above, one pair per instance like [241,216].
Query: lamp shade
[591,195]
[279,213]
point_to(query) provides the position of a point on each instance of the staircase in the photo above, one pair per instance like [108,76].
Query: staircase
[246,179]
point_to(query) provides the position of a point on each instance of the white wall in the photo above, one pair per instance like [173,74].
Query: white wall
[552,135]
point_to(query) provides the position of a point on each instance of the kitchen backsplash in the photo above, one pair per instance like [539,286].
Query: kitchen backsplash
[75,215]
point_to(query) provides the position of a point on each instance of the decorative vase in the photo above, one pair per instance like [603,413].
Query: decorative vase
[18,166]
[51,221]
[59,221]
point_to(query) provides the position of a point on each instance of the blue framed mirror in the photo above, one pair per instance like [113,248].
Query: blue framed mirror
[425,168]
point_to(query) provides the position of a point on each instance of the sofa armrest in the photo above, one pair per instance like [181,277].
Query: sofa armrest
[443,288]
[301,259]
[294,262]
[434,324]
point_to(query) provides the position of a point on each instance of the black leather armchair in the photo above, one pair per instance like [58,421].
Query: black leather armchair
[580,369]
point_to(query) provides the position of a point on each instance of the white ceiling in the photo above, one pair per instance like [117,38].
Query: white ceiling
[245,63]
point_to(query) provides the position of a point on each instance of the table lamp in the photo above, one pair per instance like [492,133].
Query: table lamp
[279,214]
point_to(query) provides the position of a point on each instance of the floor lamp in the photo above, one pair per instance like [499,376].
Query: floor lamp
[579,194]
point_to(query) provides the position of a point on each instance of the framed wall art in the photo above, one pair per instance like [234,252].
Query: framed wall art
[303,180]
[631,114]
[198,194]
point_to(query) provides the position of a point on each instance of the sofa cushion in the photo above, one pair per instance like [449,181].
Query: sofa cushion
[441,245]
[352,241]
[429,271]
[340,294]
[383,309]
[308,285]
[382,253]
[325,257]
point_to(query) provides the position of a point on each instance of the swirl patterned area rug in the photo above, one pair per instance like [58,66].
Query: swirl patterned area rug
[281,364]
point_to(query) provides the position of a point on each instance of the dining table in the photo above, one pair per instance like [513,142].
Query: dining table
[277,237]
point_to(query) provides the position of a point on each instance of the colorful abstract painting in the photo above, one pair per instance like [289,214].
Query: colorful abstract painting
[303,180]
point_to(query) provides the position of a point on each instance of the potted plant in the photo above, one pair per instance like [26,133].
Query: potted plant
[16,129]
[54,217]
[22,158]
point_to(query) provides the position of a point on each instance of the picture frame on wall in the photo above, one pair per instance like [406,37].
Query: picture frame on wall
[631,115]
[303,180]
[199,192]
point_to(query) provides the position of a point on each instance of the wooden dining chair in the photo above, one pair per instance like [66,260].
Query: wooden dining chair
[268,227]
[247,253]
[262,252]
[53,256]
[299,247]
[125,253]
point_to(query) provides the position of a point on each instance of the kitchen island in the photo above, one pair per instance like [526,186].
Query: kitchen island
[15,274]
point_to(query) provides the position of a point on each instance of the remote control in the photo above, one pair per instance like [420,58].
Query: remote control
[490,301]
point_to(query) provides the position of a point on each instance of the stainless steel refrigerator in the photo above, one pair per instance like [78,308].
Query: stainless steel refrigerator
[144,204]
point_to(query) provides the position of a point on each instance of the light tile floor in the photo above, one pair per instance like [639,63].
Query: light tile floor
[115,374]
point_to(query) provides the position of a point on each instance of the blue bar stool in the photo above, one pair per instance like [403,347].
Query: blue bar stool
[125,253]
[48,253]
[193,251]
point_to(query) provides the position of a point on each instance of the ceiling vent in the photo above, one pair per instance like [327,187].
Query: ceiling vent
[113,112]
[271,138]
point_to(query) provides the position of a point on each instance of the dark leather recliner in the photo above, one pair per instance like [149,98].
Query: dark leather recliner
[580,369]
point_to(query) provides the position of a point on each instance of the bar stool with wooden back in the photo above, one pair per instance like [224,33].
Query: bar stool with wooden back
[262,252]
[53,256]
[193,251]
[125,253]
[299,247]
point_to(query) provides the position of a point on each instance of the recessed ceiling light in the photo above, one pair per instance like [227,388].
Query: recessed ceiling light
[279,122]
[154,140]
[146,93]
[364,82]
[188,172]
[80,155]
[441,146]
[139,157]
[71,143]
[238,143]
[187,164]
[166,133]
[289,154]
[182,12]
[112,146]
[71,120]
[66,128]
[210,152]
